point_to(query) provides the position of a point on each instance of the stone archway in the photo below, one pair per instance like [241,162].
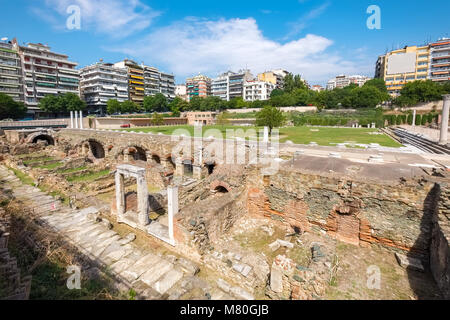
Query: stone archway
[41,136]
[44,137]
[220,186]
[137,153]
[96,149]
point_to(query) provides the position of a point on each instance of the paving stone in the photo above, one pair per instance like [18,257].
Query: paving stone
[223,285]
[276,280]
[140,267]
[187,266]
[241,293]
[156,272]
[167,281]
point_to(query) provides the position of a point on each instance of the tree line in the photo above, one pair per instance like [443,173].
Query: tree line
[10,109]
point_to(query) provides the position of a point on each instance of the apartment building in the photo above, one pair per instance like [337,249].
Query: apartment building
[11,78]
[258,90]
[181,91]
[275,77]
[152,79]
[46,72]
[400,66]
[167,85]
[439,69]
[219,86]
[136,85]
[342,81]
[198,86]
[101,82]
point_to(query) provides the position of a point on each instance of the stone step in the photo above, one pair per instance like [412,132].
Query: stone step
[167,281]
[156,272]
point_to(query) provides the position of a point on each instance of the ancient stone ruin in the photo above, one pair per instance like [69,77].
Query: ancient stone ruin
[288,235]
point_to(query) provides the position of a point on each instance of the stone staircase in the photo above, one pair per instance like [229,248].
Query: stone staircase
[151,275]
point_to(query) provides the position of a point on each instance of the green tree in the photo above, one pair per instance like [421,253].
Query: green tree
[270,117]
[50,103]
[380,84]
[128,107]
[113,106]
[10,108]
[71,102]
[156,103]
[366,97]
[420,91]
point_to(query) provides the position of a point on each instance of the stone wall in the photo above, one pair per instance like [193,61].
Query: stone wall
[12,286]
[357,212]
[440,242]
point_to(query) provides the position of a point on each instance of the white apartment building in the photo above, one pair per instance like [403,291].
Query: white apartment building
[167,85]
[230,84]
[258,90]
[101,82]
[11,78]
[152,78]
[342,81]
[46,72]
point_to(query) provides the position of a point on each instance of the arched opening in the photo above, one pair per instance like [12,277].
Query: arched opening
[138,153]
[44,137]
[188,168]
[221,189]
[210,167]
[156,158]
[97,149]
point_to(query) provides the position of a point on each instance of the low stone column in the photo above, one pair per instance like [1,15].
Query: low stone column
[81,119]
[76,120]
[120,195]
[172,208]
[71,119]
[414,118]
[142,195]
[444,121]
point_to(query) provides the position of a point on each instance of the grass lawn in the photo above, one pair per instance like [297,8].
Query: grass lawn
[299,135]
[88,177]
[326,136]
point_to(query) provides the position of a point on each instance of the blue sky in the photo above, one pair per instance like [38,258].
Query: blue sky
[315,38]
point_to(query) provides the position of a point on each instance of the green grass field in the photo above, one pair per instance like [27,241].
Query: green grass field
[300,135]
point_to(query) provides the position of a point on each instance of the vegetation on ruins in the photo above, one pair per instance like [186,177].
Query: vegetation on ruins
[10,109]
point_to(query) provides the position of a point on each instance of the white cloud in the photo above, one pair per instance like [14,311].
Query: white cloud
[211,47]
[113,17]
[297,26]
